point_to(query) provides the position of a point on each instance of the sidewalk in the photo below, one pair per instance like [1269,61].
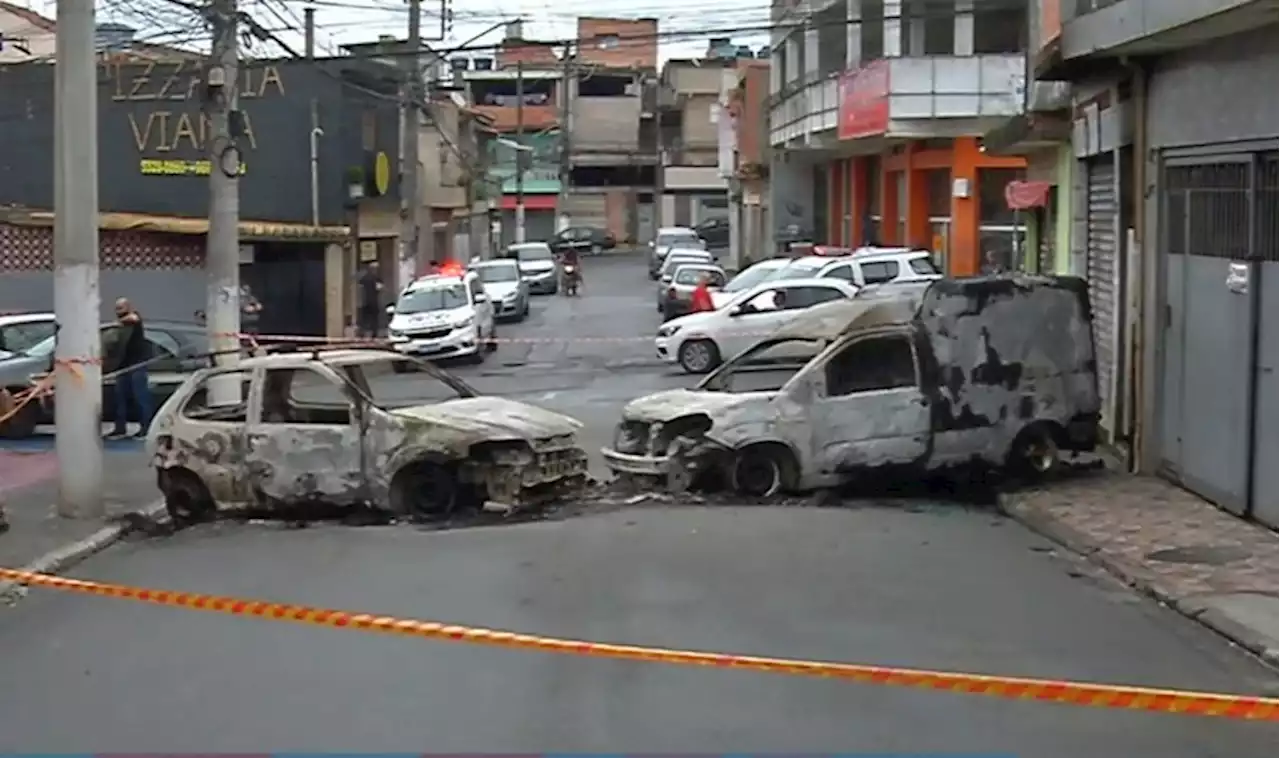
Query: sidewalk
[1207,564]
[29,493]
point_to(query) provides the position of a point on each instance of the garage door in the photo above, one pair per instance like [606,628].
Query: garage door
[1102,265]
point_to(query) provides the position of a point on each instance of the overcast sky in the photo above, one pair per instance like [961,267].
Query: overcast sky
[347,21]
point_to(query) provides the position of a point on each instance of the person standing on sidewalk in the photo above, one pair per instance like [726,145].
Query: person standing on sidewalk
[370,315]
[129,355]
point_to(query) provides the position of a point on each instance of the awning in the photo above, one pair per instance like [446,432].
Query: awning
[1020,196]
[1027,133]
[531,202]
[250,231]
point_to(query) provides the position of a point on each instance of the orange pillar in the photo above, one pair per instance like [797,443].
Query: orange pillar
[888,204]
[964,256]
[834,204]
[918,230]
[857,201]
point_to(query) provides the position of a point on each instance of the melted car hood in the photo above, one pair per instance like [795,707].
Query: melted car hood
[494,418]
[662,407]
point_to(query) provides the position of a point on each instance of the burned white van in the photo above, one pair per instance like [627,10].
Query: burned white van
[985,372]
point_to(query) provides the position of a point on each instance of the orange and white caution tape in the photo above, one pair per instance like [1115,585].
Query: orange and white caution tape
[1122,697]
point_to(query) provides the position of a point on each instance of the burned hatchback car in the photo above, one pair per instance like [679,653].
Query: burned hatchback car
[294,428]
[987,372]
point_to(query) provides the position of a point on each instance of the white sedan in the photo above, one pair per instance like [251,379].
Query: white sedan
[701,341]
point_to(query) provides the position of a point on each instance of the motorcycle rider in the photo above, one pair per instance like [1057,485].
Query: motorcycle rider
[569,257]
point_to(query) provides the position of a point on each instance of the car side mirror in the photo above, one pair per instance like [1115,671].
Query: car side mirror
[391,309]
[650,243]
[738,310]
[482,298]
[666,279]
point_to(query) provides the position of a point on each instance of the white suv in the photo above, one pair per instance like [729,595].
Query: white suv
[443,316]
[867,266]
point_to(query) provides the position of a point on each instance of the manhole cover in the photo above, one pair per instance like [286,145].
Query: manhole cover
[1212,555]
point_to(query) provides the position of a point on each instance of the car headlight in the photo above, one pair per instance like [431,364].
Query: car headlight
[464,323]
[668,331]
[511,297]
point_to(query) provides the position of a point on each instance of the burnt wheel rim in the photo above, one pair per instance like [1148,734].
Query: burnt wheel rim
[696,356]
[1041,455]
[757,475]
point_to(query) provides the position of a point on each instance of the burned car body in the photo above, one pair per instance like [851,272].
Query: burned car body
[989,371]
[309,427]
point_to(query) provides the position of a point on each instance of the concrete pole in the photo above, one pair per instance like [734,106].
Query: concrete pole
[309,28]
[520,152]
[222,254]
[410,196]
[566,116]
[77,372]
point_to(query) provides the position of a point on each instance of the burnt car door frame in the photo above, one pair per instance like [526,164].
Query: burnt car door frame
[264,477]
[872,426]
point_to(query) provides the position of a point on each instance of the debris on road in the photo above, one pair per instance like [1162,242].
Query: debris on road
[964,378]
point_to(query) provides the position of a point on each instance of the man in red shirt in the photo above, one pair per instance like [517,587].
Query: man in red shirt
[701,299]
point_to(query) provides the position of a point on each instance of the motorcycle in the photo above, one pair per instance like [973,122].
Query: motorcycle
[571,280]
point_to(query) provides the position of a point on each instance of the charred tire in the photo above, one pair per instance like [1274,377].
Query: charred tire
[698,356]
[426,490]
[1035,453]
[185,497]
[762,470]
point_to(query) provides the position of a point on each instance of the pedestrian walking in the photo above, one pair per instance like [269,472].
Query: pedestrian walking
[701,301]
[370,315]
[128,355]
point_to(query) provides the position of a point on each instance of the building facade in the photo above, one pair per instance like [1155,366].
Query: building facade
[749,183]
[692,102]
[296,248]
[1173,112]
[876,112]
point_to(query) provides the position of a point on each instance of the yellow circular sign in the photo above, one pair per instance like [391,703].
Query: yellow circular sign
[381,173]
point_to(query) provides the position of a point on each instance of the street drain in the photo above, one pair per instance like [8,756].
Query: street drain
[1209,555]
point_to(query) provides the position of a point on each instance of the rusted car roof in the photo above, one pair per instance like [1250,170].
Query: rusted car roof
[881,306]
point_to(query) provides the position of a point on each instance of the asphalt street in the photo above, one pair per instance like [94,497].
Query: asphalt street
[934,585]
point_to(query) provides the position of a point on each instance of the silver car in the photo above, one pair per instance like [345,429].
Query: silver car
[538,266]
[506,288]
[670,239]
[675,298]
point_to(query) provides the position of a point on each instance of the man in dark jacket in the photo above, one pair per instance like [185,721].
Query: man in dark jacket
[129,355]
[370,314]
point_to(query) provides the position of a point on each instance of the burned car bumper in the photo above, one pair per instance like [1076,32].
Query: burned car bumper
[669,452]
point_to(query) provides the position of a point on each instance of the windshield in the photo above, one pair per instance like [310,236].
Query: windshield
[539,253]
[43,348]
[799,271]
[676,261]
[766,366]
[751,277]
[687,275]
[679,239]
[433,299]
[923,265]
[498,273]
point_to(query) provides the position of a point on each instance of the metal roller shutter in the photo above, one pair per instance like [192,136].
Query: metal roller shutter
[1103,269]
[588,209]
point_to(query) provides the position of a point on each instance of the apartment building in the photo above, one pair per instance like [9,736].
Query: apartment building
[749,183]
[1171,175]
[876,112]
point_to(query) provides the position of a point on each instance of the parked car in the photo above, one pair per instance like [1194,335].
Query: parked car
[699,342]
[679,258]
[311,427]
[748,278]
[911,380]
[714,232]
[537,266]
[671,238]
[586,239]
[676,296]
[506,288]
[177,348]
[866,267]
[443,316]
[22,331]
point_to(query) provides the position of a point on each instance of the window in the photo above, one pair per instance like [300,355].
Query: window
[924,266]
[939,32]
[870,365]
[433,299]
[164,351]
[806,297]
[844,272]
[498,273]
[303,396]
[999,30]
[533,253]
[197,406]
[691,276]
[17,338]
[769,300]
[879,272]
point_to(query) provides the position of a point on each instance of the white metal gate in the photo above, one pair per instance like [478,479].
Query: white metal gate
[1102,265]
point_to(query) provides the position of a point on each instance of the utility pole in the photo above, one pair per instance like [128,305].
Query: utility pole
[76,299]
[520,152]
[309,28]
[222,254]
[309,25]
[410,200]
[567,87]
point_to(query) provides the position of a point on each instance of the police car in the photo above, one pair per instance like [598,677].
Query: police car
[445,315]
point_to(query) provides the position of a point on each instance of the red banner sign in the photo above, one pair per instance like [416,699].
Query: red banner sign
[864,101]
[1021,196]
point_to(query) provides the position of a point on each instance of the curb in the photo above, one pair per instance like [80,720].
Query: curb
[62,558]
[1076,542]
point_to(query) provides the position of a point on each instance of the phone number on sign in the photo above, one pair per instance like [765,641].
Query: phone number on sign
[178,168]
